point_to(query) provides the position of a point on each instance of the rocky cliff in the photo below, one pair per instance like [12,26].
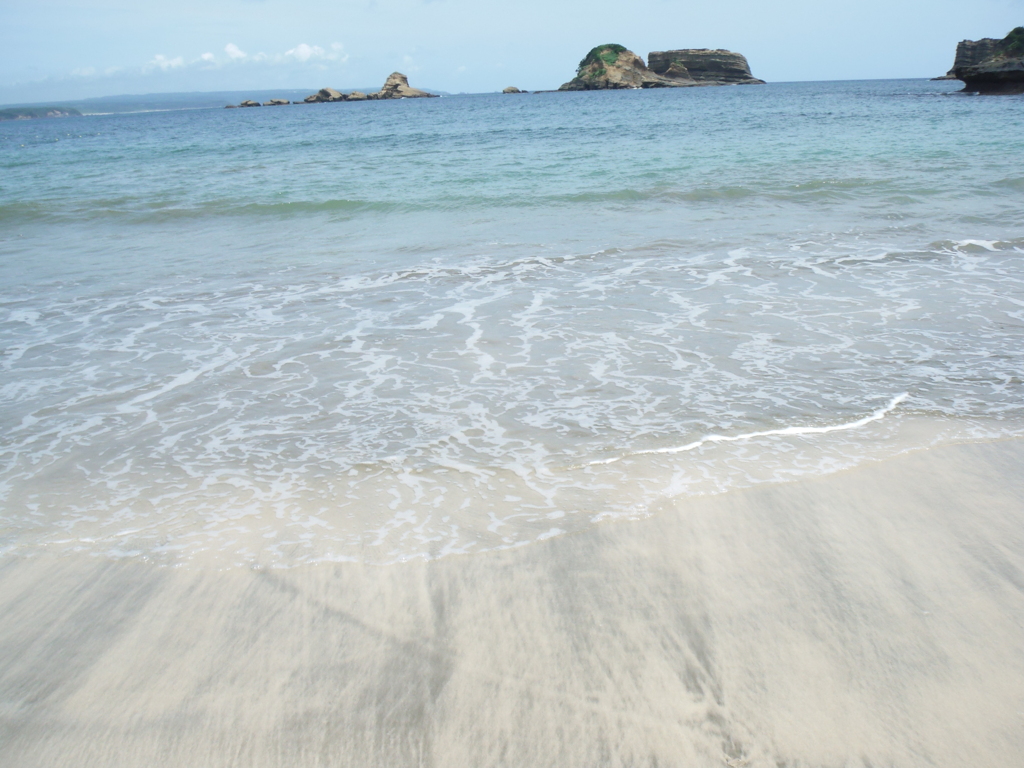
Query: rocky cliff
[970,53]
[613,66]
[703,66]
[992,66]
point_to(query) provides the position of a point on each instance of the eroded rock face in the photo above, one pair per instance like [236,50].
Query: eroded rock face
[397,87]
[969,53]
[992,66]
[704,66]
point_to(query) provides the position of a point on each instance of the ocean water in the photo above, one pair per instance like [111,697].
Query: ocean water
[389,330]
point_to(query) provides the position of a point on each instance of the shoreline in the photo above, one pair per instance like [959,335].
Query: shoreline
[206,530]
[872,614]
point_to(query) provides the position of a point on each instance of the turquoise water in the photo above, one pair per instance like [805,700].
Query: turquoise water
[375,331]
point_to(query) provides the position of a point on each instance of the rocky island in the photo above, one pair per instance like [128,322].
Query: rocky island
[990,66]
[395,87]
[613,66]
[703,66]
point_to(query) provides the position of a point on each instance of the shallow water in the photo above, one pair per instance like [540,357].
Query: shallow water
[397,329]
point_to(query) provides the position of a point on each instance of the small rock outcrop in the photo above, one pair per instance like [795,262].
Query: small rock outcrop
[512,89]
[356,96]
[704,66]
[397,87]
[250,103]
[325,95]
[276,103]
[990,66]
[613,66]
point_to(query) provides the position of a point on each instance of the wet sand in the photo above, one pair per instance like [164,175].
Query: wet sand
[874,617]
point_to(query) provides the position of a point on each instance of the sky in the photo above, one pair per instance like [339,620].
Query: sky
[76,49]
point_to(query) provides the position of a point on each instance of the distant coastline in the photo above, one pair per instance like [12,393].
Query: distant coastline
[34,113]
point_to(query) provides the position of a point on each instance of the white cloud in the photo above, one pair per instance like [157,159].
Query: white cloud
[165,63]
[304,52]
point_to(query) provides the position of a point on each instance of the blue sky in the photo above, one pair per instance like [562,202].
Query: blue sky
[71,49]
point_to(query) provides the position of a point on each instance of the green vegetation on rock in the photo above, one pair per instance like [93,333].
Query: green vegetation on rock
[602,55]
[1013,43]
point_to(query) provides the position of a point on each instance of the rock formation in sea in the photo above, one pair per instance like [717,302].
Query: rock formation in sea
[969,53]
[513,89]
[250,103]
[991,66]
[613,66]
[276,103]
[397,87]
[704,66]
[325,95]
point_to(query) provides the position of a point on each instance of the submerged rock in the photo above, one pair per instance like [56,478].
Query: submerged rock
[397,87]
[612,66]
[704,66]
[990,66]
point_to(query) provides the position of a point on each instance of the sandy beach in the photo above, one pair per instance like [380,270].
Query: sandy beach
[874,617]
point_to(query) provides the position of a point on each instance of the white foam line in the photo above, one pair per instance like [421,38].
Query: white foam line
[876,416]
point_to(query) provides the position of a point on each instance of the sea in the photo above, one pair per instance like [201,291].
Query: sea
[383,331]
